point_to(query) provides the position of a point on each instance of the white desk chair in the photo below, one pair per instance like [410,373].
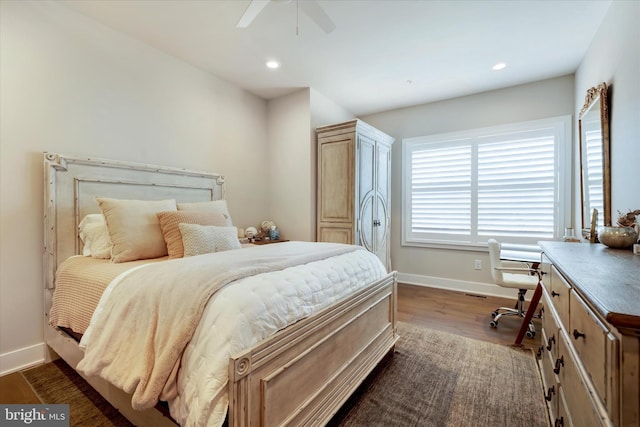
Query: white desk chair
[512,274]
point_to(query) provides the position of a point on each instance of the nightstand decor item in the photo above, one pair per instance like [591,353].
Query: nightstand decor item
[274,234]
[267,225]
[251,232]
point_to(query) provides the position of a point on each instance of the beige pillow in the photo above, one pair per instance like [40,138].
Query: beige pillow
[169,225]
[204,239]
[134,227]
[219,206]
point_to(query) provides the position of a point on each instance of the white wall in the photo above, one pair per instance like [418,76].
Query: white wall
[73,86]
[449,268]
[326,112]
[614,58]
[288,161]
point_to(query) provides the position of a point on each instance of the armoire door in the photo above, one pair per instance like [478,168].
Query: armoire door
[336,183]
[382,211]
[365,177]
[374,189]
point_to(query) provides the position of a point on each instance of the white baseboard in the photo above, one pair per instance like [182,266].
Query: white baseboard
[460,286]
[23,358]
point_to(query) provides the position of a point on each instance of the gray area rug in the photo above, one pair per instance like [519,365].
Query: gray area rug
[443,380]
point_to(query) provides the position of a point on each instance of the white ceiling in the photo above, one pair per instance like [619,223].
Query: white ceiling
[383,54]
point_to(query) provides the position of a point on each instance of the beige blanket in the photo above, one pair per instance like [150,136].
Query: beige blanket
[80,282]
[147,317]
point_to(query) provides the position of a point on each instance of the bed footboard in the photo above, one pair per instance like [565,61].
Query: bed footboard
[303,374]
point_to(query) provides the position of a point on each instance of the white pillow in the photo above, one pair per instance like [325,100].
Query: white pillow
[219,206]
[94,234]
[204,239]
[134,227]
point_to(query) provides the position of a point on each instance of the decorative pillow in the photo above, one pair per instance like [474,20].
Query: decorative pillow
[204,239]
[134,227]
[95,238]
[213,206]
[169,225]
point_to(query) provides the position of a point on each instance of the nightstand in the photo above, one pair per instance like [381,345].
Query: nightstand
[266,242]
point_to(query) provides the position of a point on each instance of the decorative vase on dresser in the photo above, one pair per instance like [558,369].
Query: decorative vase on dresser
[590,349]
[354,186]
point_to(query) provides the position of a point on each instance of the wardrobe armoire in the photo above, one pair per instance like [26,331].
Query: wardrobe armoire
[354,187]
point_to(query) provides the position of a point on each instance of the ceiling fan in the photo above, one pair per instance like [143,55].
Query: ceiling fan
[311,8]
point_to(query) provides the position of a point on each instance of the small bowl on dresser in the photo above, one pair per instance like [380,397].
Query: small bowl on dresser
[618,237]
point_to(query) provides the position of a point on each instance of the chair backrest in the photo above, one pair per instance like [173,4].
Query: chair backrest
[494,257]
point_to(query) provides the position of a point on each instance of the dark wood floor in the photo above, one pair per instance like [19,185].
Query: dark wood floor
[455,312]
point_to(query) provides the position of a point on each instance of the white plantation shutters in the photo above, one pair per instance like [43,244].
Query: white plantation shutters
[516,182]
[593,159]
[441,190]
[501,182]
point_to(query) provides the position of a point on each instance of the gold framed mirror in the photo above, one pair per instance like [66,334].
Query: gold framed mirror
[595,169]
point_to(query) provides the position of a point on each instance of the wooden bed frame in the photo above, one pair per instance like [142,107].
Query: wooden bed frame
[300,376]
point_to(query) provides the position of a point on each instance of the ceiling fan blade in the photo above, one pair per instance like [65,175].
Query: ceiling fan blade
[254,8]
[313,10]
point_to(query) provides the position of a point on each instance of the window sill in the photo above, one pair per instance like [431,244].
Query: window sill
[517,252]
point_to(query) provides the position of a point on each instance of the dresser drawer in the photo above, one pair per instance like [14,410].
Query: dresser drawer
[562,419]
[545,268]
[550,383]
[581,407]
[550,327]
[560,295]
[589,338]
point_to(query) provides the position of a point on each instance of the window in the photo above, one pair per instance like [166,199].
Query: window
[508,182]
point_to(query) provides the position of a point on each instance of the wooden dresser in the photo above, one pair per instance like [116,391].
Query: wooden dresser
[589,354]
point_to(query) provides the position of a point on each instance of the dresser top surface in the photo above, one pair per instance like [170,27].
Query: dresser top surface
[608,278]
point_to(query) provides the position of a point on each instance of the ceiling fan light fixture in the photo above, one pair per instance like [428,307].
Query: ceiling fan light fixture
[272,64]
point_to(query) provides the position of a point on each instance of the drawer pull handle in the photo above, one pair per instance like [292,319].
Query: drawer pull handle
[554,294]
[539,352]
[550,342]
[559,364]
[577,334]
[559,422]
[550,392]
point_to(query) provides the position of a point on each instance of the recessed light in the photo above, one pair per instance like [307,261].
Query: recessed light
[273,64]
[499,66]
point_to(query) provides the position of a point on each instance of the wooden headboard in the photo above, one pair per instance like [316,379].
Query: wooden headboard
[72,184]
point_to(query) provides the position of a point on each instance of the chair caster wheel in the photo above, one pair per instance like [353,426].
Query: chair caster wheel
[493,324]
[530,334]
[494,313]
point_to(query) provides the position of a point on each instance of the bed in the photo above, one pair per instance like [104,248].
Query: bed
[299,373]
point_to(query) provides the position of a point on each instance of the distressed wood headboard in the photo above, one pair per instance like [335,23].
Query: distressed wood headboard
[72,184]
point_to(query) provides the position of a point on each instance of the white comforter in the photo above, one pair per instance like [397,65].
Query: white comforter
[248,311]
